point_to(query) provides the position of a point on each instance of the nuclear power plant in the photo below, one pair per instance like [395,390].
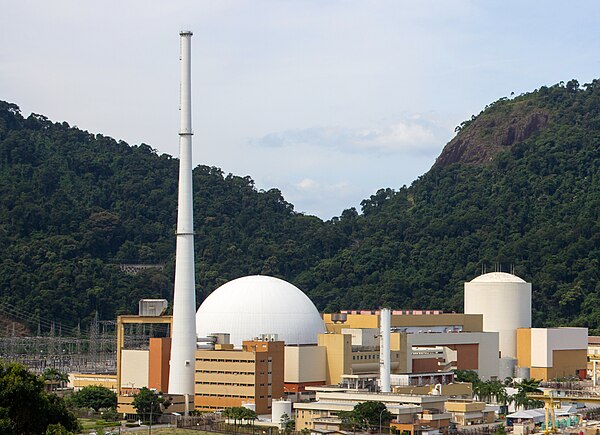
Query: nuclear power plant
[259,342]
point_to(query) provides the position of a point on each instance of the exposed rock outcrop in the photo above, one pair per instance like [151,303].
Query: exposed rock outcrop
[491,133]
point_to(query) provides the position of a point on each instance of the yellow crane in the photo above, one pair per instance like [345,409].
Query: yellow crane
[553,398]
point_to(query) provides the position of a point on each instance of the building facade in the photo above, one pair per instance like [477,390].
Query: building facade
[227,377]
[552,353]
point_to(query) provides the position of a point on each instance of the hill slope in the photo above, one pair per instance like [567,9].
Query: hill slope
[519,184]
[532,201]
[76,205]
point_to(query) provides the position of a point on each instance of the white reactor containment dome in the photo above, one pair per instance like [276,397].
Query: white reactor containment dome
[505,302]
[250,306]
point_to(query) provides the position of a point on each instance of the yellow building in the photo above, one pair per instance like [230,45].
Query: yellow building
[553,353]
[330,401]
[227,377]
[466,412]
[304,366]
[411,352]
[461,390]
[79,380]
[415,320]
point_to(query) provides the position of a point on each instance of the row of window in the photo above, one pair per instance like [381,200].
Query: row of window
[374,356]
[226,383]
[227,360]
[368,356]
[238,396]
[225,372]
[229,384]
[270,359]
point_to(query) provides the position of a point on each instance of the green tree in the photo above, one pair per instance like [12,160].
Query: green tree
[57,429]
[149,404]
[25,407]
[466,376]
[55,378]
[95,397]
[372,413]
[525,387]
[52,374]
[239,414]
[110,415]
[287,423]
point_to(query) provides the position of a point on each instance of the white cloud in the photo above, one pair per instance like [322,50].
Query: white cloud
[323,198]
[416,134]
[307,184]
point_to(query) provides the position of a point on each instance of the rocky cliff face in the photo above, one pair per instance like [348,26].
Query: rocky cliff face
[493,131]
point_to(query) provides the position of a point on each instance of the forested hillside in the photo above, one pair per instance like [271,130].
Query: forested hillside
[501,192]
[519,184]
[76,205]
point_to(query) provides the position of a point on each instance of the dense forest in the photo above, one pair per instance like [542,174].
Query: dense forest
[519,184]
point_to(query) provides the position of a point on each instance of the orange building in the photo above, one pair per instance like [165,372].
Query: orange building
[228,377]
[158,364]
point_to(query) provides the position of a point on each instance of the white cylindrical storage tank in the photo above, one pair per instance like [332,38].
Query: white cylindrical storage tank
[280,407]
[248,405]
[505,302]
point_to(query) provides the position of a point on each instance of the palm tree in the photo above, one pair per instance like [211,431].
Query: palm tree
[529,385]
[524,387]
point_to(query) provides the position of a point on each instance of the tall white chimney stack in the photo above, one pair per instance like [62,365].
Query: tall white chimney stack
[385,324]
[183,344]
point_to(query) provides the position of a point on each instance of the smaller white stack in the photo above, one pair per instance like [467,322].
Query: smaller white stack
[385,322]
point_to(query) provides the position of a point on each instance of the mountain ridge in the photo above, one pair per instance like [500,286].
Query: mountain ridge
[519,184]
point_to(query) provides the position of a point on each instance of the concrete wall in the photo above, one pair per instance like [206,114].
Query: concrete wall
[552,352]
[488,361]
[158,370]
[461,389]
[305,364]
[544,341]
[339,356]
[467,322]
[134,368]
[524,347]
[363,337]
[566,363]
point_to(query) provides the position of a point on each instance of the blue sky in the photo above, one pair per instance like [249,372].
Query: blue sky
[326,100]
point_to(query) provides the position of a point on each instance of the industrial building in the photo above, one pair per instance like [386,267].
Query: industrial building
[420,342]
[553,353]
[227,377]
[287,351]
[330,401]
[504,300]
